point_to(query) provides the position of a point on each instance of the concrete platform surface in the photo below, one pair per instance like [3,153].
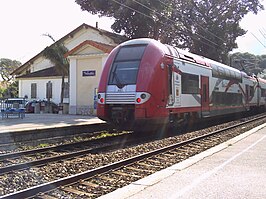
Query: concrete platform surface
[41,121]
[235,169]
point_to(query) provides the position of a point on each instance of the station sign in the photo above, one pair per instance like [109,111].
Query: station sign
[88,73]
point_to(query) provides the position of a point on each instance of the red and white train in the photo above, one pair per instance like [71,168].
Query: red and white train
[146,83]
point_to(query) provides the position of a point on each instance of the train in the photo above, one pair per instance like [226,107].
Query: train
[146,84]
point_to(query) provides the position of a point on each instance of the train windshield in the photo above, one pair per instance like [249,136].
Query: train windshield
[126,65]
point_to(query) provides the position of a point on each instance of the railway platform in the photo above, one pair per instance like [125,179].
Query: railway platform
[234,169]
[45,121]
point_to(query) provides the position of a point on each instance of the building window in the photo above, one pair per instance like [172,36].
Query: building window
[49,90]
[190,84]
[33,90]
[66,90]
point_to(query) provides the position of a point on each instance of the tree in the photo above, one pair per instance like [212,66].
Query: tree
[55,53]
[6,67]
[206,27]
[216,25]
[10,91]
[8,87]
[249,63]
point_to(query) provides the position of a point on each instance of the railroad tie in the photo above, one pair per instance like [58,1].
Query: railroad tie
[75,191]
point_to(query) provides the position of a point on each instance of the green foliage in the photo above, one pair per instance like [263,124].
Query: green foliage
[43,145]
[249,63]
[55,53]
[6,67]
[208,28]
[8,87]
[2,90]
[10,91]
[213,26]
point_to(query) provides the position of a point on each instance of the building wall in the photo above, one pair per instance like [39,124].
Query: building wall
[25,88]
[40,64]
[83,89]
[87,34]
[70,43]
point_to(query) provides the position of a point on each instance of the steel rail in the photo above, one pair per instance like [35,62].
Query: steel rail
[59,147]
[61,157]
[22,135]
[30,192]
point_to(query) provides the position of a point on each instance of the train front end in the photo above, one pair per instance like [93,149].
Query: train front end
[127,90]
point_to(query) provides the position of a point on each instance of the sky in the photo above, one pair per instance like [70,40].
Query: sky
[254,41]
[23,23]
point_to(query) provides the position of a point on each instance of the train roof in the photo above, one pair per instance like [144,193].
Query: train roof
[188,56]
[143,41]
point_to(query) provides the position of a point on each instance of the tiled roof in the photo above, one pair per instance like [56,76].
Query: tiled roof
[115,37]
[48,72]
[101,46]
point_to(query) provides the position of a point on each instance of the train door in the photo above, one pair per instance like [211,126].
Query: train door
[170,85]
[174,86]
[205,105]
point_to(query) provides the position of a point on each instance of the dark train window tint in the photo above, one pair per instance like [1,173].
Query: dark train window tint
[252,91]
[190,84]
[226,99]
[126,65]
[221,71]
[124,73]
[263,92]
[130,53]
[226,73]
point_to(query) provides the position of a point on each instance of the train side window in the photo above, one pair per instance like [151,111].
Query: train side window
[252,91]
[215,72]
[221,72]
[190,83]
[227,73]
[263,92]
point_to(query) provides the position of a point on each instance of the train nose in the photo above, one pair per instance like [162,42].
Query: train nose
[122,115]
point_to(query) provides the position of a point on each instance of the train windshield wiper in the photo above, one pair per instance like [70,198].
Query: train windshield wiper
[118,81]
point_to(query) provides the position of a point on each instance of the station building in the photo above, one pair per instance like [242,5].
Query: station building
[88,49]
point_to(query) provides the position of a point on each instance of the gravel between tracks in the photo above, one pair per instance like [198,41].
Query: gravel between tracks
[19,180]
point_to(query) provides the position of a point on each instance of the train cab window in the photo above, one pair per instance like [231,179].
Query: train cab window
[190,83]
[124,73]
[126,65]
[130,53]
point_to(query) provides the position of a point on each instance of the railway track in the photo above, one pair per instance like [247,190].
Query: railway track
[29,158]
[14,141]
[140,162]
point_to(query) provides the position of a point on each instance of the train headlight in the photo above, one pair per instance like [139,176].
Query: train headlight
[101,98]
[142,97]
